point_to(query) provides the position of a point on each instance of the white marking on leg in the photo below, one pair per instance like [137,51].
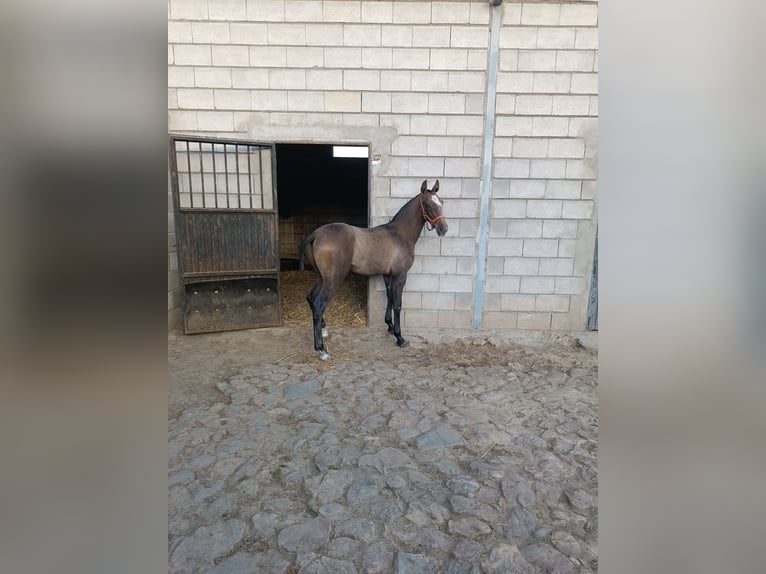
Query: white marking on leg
[324,355]
[324,332]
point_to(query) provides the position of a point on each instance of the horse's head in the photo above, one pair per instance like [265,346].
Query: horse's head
[431,206]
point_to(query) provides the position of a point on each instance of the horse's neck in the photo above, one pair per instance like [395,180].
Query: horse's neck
[409,221]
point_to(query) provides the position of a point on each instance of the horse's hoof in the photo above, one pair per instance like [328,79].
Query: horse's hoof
[324,355]
[402,343]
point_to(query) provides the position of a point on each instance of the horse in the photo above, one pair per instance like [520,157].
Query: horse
[337,249]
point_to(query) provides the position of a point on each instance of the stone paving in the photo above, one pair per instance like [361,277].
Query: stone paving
[455,458]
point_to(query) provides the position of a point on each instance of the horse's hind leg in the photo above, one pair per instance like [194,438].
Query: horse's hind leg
[318,298]
[325,333]
[397,287]
[387,279]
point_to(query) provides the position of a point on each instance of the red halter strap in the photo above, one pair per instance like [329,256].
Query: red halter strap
[425,215]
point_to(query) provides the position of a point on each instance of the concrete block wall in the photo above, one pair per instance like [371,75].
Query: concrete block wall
[410,79]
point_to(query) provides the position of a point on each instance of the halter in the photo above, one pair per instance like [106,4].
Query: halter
[425,215]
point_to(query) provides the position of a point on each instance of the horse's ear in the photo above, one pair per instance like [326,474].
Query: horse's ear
[424,187]
[436,187]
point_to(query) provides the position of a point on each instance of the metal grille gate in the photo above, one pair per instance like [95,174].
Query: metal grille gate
[225,207]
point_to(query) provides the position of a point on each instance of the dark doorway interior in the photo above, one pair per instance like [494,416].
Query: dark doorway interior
[315,187]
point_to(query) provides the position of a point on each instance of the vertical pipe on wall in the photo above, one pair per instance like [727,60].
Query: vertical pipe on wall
[486,166]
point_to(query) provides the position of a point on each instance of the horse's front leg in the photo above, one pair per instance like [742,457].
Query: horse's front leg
[389,302]
[397,287]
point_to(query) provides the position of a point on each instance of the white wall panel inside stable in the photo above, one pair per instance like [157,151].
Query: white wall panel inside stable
[410,78]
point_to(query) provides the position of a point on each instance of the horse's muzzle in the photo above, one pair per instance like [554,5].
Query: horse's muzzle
[441,228]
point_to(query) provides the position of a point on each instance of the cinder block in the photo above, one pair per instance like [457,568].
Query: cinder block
[574,60]
[499,320]
[179,32]
[215,121]
[439,265]
[426,167]
[227,9]
[530,147]
[553,303]
[409,146]
[195,99]
[232,100]
[428,246]
[541,247]
[185,10]
[570,285]
[498,227]
[412,13]
[431,36]
[379,58]
[181,77]
[395,80]
[589,189]
[558,229]
[421,282]
[180,120]
[472,147]
[466,266]
[410,58]
[464,125]
[547,168]
[288,80]
[544,208]
[240,78]
[581,83]
[570,105]
[521,266]
[172,98]
[401,123]
[449,59]
[512,208]
[502,284]
[550,126]
[248,33]
[426,81]
[505,104]
[556,267]
[464,302]
[509,60]
[527,105]
[409,103]
[468,227]
[581,169]
[562,189]
[345,58]
[396,36]
[537,60]
[526,228]
[343,101]
[501,247]
[428,125]
[534,320]
[380,12]
[445,146]
[192,55]
[515,82]
[552,83]
[593,106]
[324,80]
[455,319]
[477,59]
[324,34]
[303,11]
[551,38]
[359,120]
[540,14]
[410,300]
[304,101]
[438,300]
[340,11]
[304,57]
[450,12]
[579,15]
[511,168]
[577,209]
[361,35]
[458,246]
[231,56]
[465,209]
[513,126]
[583,127]
[269,100]
[495,265]
[287,34]
[542,285]
[210,32]
[266,10]
[419,318]
[376,102]
[566,148]
[511,14]
[526,188]
[586,39]
[446,103]
[361,80]
[567,322]
[516,302]
[518,37]
[268,56]
[568,247]
[469,37]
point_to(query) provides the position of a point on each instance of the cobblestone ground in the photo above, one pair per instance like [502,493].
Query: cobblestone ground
[469,456]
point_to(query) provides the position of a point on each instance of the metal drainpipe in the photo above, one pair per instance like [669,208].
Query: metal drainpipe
[486,168]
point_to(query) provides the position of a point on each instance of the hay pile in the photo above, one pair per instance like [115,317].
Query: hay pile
[347,308]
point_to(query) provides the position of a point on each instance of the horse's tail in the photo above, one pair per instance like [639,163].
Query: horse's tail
[309,239]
